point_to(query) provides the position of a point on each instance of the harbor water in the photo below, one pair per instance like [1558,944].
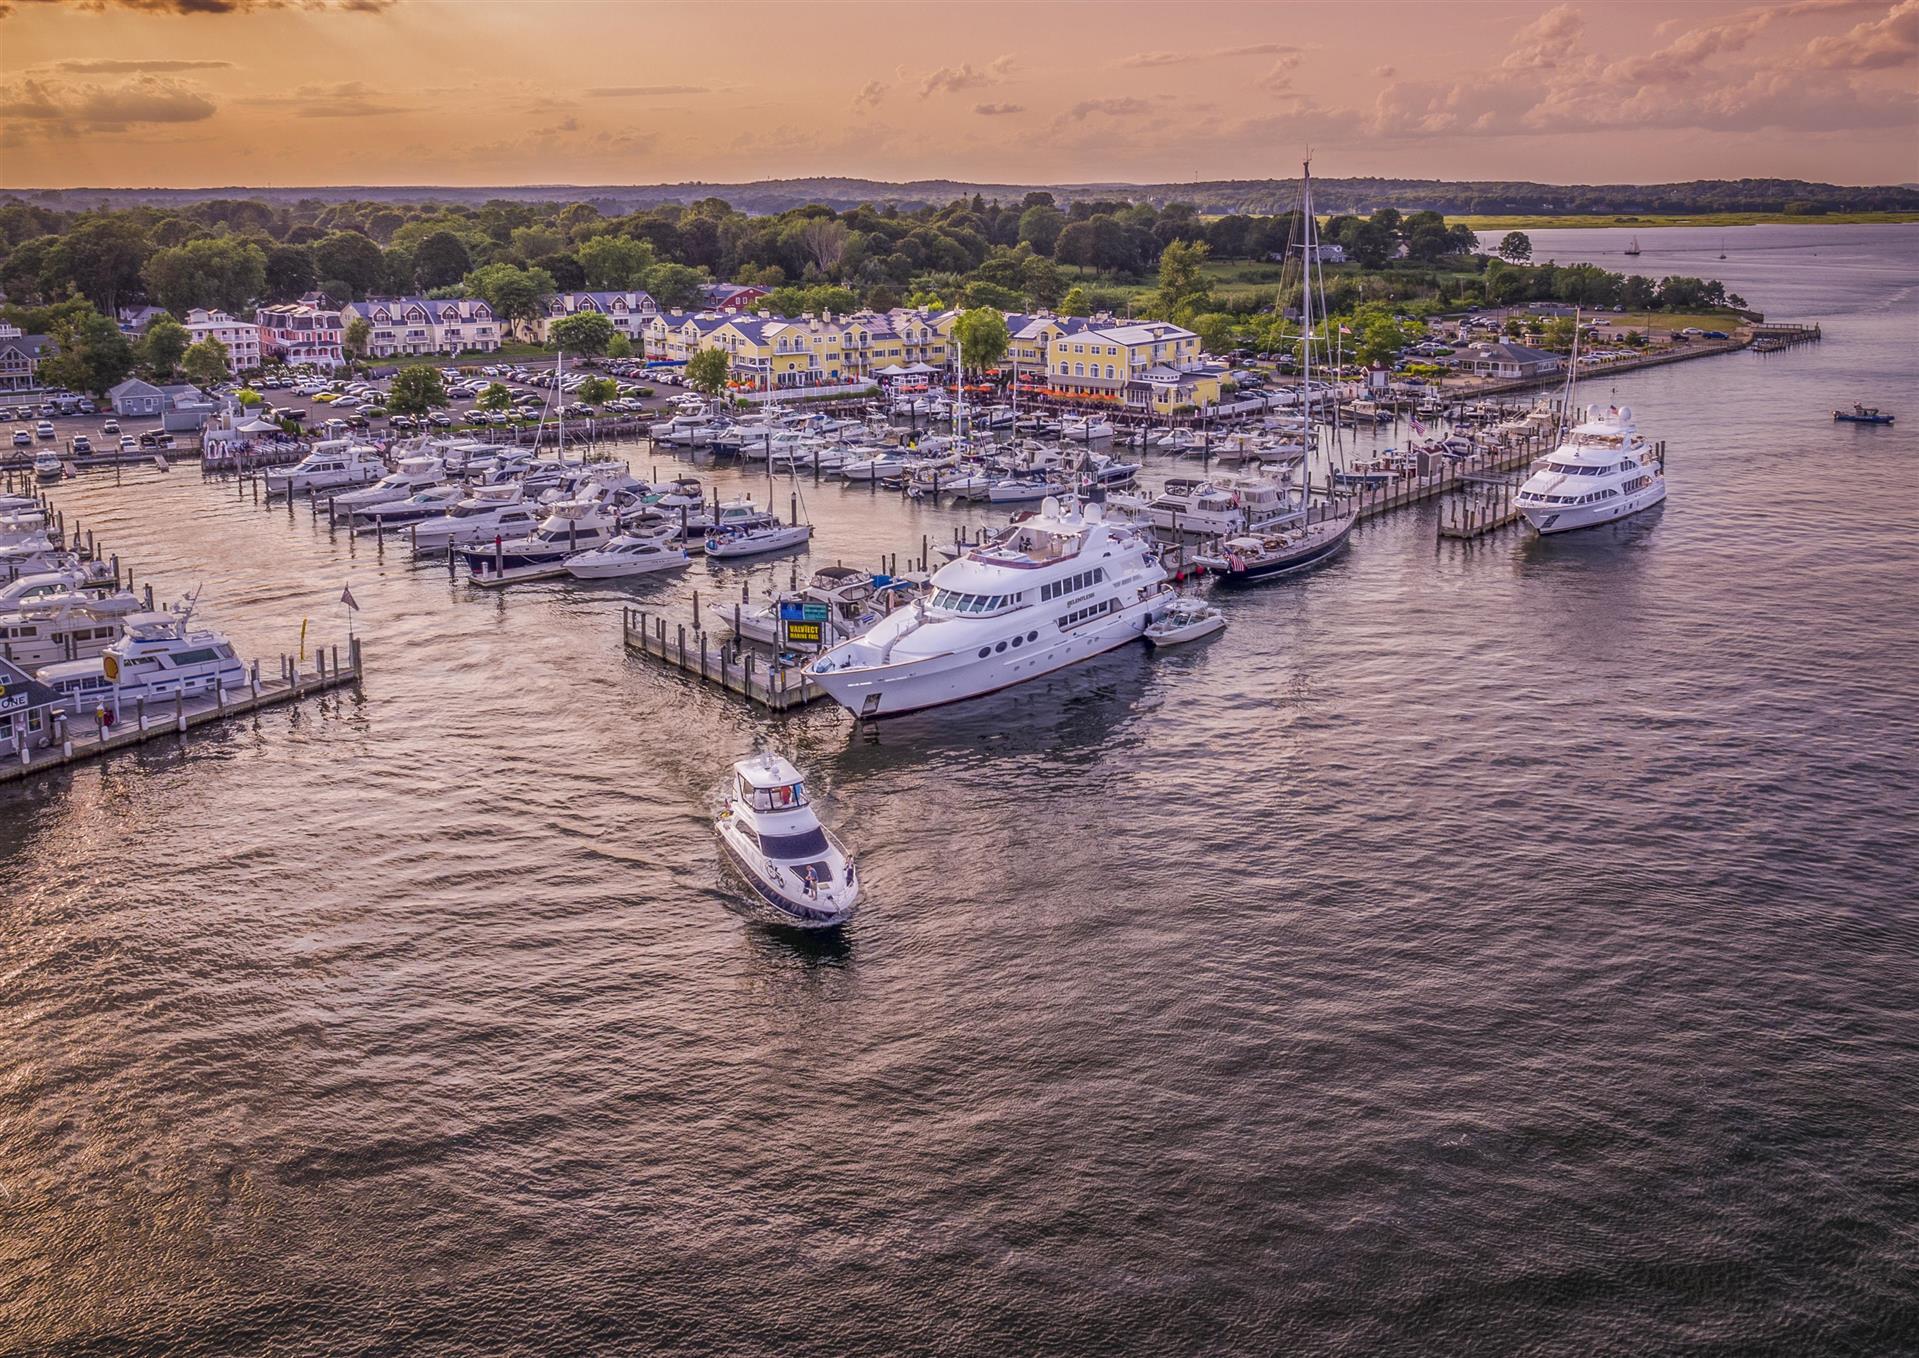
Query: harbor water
[1506,946]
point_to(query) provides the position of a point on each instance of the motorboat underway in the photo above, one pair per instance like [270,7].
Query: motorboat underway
[332,463]
[801,874]
[1049,591]
[486,513]
[838,604]
[628,554]
[1185,619]
[767,537]
[413,474]
[50,628]
[1857,415]
[422,505]
[159,657]
[1601,472]
[570,528]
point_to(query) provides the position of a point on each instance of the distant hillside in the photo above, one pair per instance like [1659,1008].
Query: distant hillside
[1212,196]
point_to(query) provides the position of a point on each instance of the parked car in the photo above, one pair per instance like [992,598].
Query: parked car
[43,430]
[110,426]
[22,439]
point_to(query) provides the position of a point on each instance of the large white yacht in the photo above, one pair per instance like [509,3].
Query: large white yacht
[47,629]
[569,528]
[1048,592]
[801,874]
[157,658]
[489,512]
[1220,508]
[413,474]
[1602,471]
[331,464]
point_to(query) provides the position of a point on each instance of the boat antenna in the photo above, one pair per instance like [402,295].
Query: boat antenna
[1572,380]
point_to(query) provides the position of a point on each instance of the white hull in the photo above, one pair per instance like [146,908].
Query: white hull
[755,544]
[597,566]
[1550,519]
[933,681]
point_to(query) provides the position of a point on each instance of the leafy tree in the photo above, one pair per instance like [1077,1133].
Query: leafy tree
[1516,247]
[290,272]
[350,258]
[706,371]
[1183,284]
[584,332]
[982,338]
[516,295]
[495,397]
[619,346]
[91,354]
[246,396]
[675,285]
[1368,243]
[359,334]
[101,258]
[532,243]
[1076,302]
[616,262]
[162,347]
[1077,244]
[217,272]
[416,390]
[1040,227]
[441,259]
[206,365]
[597,391]
[983,294]
[1039,278]
[1216,331]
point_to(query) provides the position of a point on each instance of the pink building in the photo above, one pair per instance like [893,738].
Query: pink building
[307,331]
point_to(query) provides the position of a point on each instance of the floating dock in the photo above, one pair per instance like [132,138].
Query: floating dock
[82,737]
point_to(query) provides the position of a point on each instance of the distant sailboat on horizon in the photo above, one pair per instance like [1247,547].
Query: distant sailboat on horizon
[1633,249]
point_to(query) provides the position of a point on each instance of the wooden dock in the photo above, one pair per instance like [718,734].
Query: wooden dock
[733,666]
[1484,505]
[82,737]
[1769,339]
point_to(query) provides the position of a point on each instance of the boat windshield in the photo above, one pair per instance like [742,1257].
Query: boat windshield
[780,798]
[802,844]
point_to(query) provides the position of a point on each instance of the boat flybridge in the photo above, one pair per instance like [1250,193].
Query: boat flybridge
[1602,471]
[159,657]
[569,528]
[414,474]
[486,513]
[49,628]
[845,600]
[801,873]
[331,464]
[1053,589]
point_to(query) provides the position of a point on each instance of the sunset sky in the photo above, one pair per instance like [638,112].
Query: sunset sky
[118,93]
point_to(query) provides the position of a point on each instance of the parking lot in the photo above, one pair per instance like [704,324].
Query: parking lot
[357,404]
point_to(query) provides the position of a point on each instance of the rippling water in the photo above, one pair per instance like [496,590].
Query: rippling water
[1495,947]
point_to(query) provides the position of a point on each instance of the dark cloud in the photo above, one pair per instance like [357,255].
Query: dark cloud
[998,110]
[57,108]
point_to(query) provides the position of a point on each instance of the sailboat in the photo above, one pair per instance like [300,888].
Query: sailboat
[1722,247]
[1295,541]
[1633,249]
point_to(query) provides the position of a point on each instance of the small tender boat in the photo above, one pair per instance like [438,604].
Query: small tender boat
[1185,619]
[49,467]
[1857,415]
[802,875]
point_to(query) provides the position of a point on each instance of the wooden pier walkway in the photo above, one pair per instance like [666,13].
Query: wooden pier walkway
[732,666]
[82,737]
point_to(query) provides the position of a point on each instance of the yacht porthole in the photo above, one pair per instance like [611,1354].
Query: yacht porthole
[1000,647]
[1017,641]
[1032,636]
[985,651]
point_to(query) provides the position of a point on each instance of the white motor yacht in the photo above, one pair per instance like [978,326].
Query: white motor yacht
[801,875]
[419,507]
[49,628]
[26,589]
[568,529]
[331,464]
[49,467]
[1049,591]
[159,657]
[1601,472]
[1085,428]
[486,513]
[838,604]
[413,474]
[879,467]
[630,553]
